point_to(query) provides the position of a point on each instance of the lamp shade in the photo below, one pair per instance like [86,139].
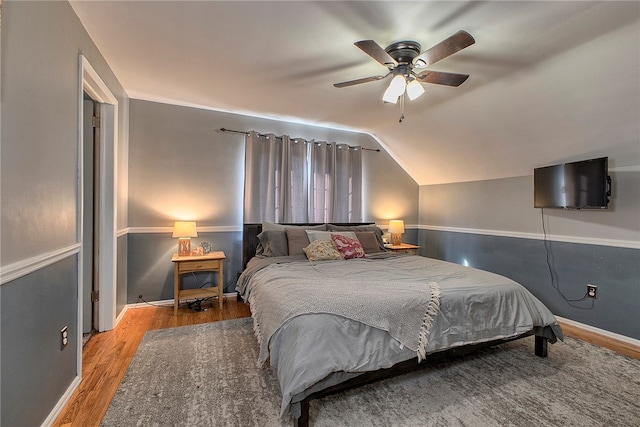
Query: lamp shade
[414,89]
[395,89]
[396,226]
[184,229]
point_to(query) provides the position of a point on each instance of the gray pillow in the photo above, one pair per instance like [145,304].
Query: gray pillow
[314,235]
[282,227]
[297,240]
[369,242]
[359,228]
[272,243]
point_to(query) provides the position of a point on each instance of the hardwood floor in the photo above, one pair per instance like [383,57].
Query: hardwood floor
[106,357]
[616,345]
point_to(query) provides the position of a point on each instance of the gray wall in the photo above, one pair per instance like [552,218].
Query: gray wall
[41,43]
[36,370]
[507,205]
[492,225]
[182,167]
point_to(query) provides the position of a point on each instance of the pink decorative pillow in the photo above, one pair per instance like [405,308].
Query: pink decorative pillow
[348,246]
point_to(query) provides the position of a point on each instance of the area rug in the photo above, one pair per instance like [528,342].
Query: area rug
[207,375]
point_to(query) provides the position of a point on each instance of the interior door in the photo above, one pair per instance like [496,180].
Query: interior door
[91,173]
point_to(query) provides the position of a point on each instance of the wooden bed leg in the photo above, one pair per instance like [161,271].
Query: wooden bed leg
[541,346]
[303,420]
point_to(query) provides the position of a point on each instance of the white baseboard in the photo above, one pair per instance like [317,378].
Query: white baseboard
[601,332]
[168,301]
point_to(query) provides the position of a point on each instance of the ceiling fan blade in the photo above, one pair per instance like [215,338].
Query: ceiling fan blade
[445,48]
[376,51]
[442,78]
[358,81]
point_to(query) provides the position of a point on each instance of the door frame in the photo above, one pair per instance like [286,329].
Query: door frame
[94,86]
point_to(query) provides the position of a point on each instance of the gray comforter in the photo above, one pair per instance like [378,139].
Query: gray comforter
[316,350]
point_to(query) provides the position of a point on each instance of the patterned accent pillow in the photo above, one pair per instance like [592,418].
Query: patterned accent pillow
[322,250]
[348,246]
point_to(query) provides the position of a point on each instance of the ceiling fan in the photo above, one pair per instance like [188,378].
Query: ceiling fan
[404,61]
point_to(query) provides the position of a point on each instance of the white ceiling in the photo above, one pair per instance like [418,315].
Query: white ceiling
[550,81]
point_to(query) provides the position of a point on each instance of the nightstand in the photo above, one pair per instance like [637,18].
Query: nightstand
[211,262]
[403,248]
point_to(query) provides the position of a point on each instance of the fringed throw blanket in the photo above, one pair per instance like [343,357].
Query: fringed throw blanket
[403,306]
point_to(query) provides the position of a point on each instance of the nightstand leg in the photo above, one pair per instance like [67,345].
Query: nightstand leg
[176,289]
[221,285]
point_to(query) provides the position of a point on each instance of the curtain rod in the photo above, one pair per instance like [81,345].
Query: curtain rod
[262,134]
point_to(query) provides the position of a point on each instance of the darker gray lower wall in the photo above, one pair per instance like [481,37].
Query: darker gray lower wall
[34,308]
[150,271]
[121,278]
[616,272]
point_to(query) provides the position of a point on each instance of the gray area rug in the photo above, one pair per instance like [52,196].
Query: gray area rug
[207,375]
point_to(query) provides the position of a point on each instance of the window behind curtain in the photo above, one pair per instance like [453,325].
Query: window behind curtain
[293,180]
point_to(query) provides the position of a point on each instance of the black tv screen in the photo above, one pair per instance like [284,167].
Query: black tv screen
[577,185]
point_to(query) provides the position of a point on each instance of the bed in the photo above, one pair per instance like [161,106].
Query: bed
[325,323]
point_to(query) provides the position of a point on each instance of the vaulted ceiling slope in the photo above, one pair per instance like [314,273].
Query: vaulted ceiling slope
[550,81]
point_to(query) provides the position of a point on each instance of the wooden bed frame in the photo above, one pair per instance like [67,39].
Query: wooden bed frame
[249,244]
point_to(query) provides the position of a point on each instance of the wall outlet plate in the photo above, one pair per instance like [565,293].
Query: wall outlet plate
[64,337]
[592,291]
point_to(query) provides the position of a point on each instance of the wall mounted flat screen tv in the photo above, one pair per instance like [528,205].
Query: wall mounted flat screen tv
[577,185]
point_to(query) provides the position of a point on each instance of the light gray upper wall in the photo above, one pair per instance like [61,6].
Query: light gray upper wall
[41,43]
[507,205]
[182,167]
[39,151]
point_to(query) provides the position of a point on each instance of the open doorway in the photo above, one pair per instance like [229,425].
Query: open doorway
[105,176]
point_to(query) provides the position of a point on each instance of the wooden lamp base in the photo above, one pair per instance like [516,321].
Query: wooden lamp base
[396,239]
[184,246]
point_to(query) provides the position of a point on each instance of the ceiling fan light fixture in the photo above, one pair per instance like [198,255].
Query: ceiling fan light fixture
[414,90]
[402,59]
[395,89]
[390,97]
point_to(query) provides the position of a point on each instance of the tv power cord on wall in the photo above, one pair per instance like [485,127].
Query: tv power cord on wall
[554,276]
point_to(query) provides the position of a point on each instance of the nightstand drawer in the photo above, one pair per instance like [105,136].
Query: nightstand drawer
[406,251]
[403,248]
[206,265]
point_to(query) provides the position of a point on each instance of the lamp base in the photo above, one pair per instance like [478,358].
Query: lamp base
[184,246]
[396,239]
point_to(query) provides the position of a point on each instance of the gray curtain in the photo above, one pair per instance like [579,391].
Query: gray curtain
[294,180]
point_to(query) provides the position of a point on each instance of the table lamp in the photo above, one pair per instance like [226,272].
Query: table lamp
[184,231]
[396,228]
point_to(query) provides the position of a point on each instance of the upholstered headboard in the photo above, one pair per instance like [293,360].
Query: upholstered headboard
[250,237]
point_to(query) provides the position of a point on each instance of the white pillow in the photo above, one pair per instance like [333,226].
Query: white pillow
[326,235]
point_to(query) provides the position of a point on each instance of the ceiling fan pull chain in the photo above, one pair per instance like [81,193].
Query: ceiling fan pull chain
[401,108]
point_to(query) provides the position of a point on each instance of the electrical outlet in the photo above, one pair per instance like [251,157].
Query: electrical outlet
[592,291]
[64,337]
